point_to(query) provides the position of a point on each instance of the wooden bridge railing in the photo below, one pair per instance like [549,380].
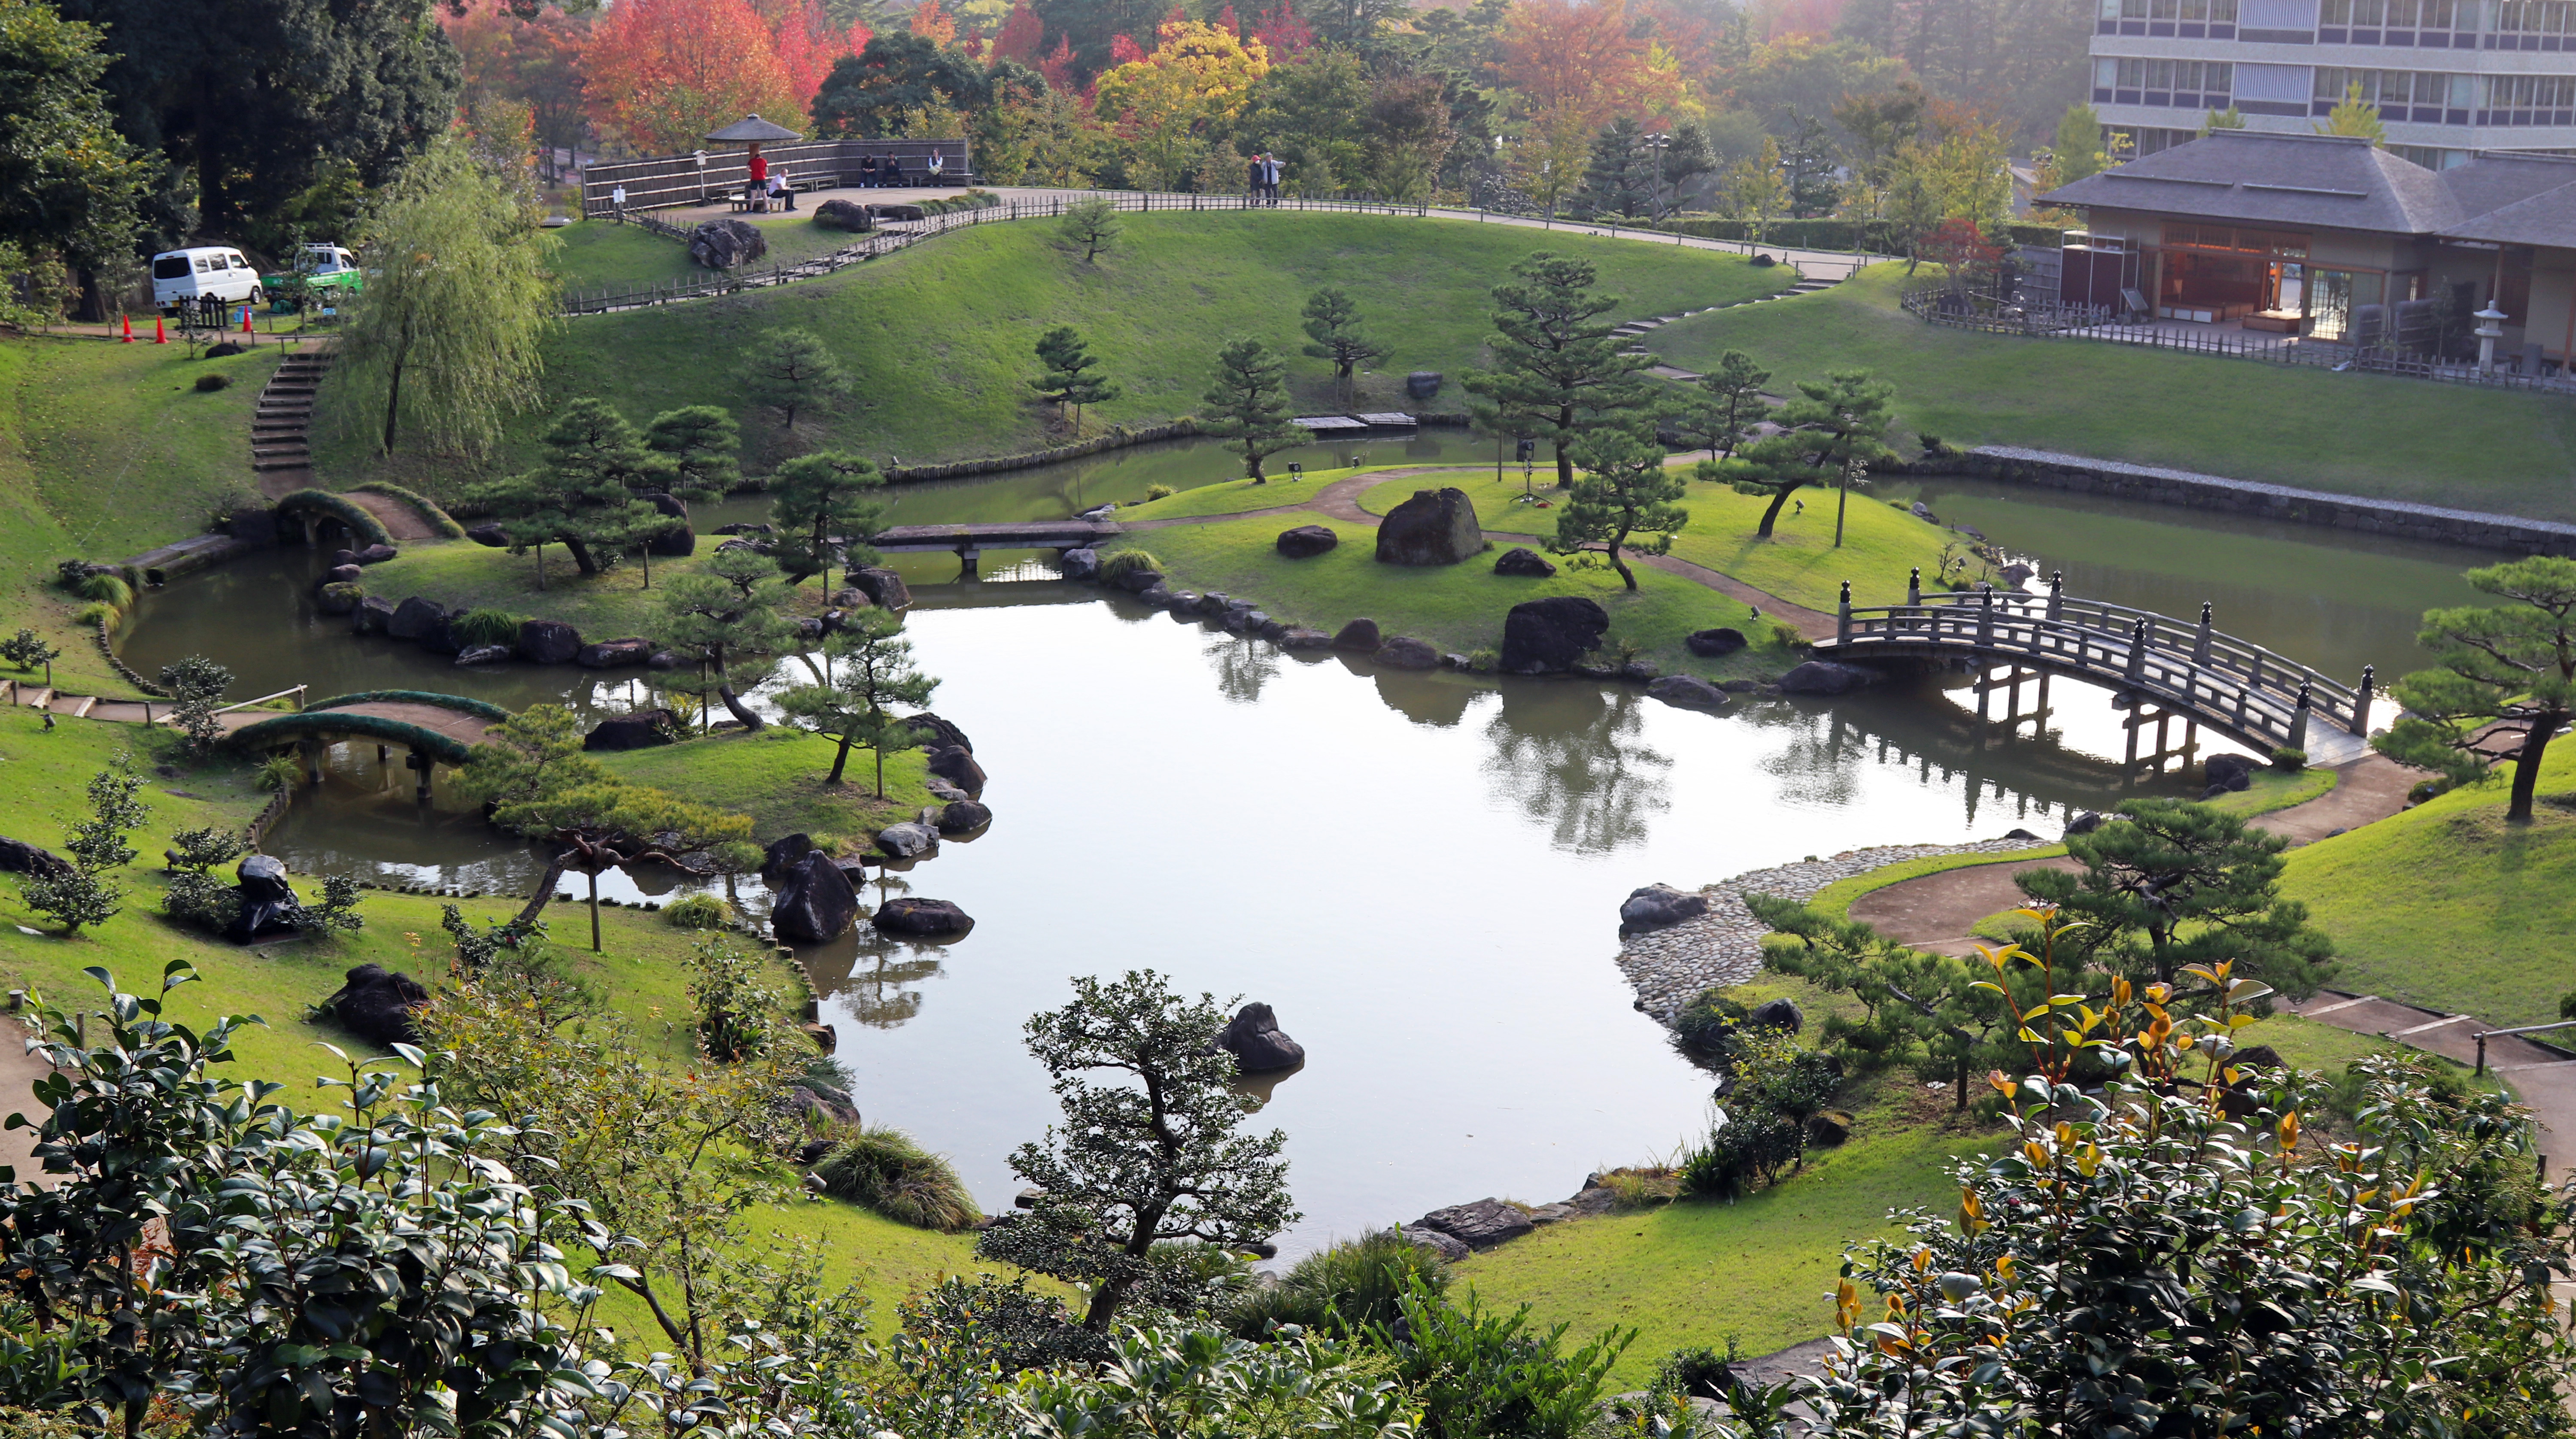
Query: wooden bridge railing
[2225,680]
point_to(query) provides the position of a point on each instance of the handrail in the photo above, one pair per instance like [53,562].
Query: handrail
[2484,1034]
[297,691]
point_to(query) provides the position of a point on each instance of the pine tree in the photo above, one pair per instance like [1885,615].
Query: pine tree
[2506,683]
[871,669]
[1723,407]
[1558,366]
[698,447]
[1834,424]
[196,687]
[1624,488]
[822,504]
[1620,178]
[793,371]
[79,896]
[584,494]
[1334,332]
[1067,379]
[1090,226]
[727,616]
[1247,405]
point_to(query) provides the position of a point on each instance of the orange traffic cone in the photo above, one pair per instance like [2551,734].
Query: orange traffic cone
[128,337]
[158,337]
[245,319]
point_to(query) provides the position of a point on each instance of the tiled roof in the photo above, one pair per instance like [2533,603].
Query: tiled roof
[2257,177]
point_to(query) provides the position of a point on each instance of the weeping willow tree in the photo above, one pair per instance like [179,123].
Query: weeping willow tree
[444,340]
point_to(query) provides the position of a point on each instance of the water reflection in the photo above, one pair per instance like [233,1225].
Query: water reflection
[1569,757]
[1242,664]
[875,980]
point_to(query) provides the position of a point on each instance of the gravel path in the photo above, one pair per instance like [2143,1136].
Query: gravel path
[1669,967]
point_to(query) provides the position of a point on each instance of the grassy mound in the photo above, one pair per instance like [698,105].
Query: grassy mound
[2356,434]
[596,254]
[937,339]
[776,777]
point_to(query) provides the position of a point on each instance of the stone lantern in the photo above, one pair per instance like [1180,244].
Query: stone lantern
[2490,329]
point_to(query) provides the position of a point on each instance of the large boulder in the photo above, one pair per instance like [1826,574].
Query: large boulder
[678,541]
[548,642]
[416,619]
[1824,677]
[444,640]
[1436,1242]
[642,729]
[1480,1225]
[955,765]
[1552,635]
[1687,691]
[1082,564]
[1525,562]
[1138,580]
[937,733]
[783,854]
[814,903]
[908,840]
[1253,1038]
[1360,635]
[374,615]
[339,599]
[908,916]
[614,654]
[1709,644]
[963,816]
[1435,527]
[379,1005]
[844,215]
[19,857]
[1407,653]
[723,244]
[268,904]
[1660,906]
[376,554]
[1306,541]
[883,587]
[2230,771]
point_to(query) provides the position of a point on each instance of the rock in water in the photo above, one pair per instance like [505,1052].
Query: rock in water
[1305,639]
[910,916]
[1824,677]
[1254,1039]
[1306,541]
[339,599]
[1551,635]
[642,729]
[1435,527]
[1526,562]
[378,1005]
[342,575]
[1480,1225]
[267,903]
[783,854]
[548,642]
[953,764]
[907,840]
[614,654]
[815,904]
[723,244]
[1406,653]
[1709,644]
[1082,564]
[1688,692]
[1360,634]
[1660,906]
[963,816]
[373,616]
[938,733]
[883,588]
[482,655]
[415,619]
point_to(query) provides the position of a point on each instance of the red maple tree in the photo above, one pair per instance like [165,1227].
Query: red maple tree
[665,72]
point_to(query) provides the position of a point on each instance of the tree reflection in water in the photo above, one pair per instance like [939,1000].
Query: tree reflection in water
[1818,762]
[1243,665]
[1568,755]
[876,989]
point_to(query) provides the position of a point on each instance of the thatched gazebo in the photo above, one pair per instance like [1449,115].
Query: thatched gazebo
[753,131]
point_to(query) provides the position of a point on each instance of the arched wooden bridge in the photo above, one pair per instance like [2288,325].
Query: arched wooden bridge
[2185,669]
[436,728]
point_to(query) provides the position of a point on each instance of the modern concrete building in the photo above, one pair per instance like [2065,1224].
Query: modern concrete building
[2449,76]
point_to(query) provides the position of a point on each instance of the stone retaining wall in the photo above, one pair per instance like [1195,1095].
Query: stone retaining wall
[2044,469]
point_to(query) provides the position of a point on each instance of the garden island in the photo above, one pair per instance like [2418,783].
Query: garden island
[1552,718]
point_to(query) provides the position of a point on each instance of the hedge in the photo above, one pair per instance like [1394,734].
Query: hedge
[337,507]
[1876,236]
[439,519]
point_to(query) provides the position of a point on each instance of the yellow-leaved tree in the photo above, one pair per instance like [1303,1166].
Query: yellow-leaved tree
[1172,106]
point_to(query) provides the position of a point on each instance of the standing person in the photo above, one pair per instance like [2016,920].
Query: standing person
[1270,177]
[759,171]
[1254,178]
[617,199]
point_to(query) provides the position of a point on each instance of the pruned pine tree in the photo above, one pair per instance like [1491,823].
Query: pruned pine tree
[824,505]
[1150,1153]
[1557,365]
[1622,490]
[793,371]
[1335,332]
[447,337]
[1835,423]
[1090,226]
[583,495]
[728,617]
[1069,377]
[699,446]
[2504,685]
[1247,405]
[871,671]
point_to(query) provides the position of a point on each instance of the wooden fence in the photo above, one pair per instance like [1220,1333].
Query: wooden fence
[667,180]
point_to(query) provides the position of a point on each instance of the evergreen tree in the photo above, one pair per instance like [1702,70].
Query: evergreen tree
[26,649]
[1809,161]
[533,756]
[1247,405]
[1334,332]
[69,183]
[2506,682]
[825,503]
[1718,411]
[80,896]
[1557,364]
[871,669]
[2077,152]
[792,371]
[1624,488]
[1068,377]
[1834,424]
[1089,225]
[583,496]
[698,446]
[1620,179]
[727,617]
[196,687]
[1686,161]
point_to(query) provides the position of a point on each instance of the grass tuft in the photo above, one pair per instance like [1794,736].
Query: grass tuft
[883,1170]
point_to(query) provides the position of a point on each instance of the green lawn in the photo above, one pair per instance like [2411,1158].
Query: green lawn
[610,605]
[107,450]
[2448,906]
[1458,608]
[776,777]
[938,338]
[593,254]
[2354,434]
[1238,496]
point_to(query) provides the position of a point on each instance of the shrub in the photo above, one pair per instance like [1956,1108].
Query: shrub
[1483,661]
[487,627]
[214,381]
[1354,1285]
[69,573]
[200,899]
[1762,1130]
[2289,759]
[1786,636]
[1118,565]
[279,773]
[109,590]
[1705,1029]
[882,1169]
[697,911]
[1158,492]
[94,614]
[1476,1372]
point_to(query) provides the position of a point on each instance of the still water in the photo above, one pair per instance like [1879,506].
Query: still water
[1421,873]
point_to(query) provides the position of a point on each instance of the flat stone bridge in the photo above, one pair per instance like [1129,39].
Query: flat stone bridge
[2164,668]
[969,541]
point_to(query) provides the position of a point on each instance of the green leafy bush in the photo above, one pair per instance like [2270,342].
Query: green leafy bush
[487,627]
[2289,759]
[696,911]
[1479,1373]
[882,1169]
[91,614]
[1777,1087]
[1158,492]
[200,899]
[1122,563]
[1352,1286]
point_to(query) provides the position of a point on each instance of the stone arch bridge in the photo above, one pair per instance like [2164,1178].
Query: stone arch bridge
[437,729]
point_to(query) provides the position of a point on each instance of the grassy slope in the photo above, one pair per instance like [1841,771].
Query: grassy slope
[776,777]
[2449,907]
[2357,434]
[1798,563]
[611,604]
[597,253]
[937,339]
[1459,608]
[107,450]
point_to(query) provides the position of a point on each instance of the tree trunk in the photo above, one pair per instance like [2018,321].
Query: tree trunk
[581,557]
[545,892]
[1779,500]
[840,759]
[1564,460]
[594,909]
[1842,501]
[393,390]
[2526,765]
[741,711]
[1617,542]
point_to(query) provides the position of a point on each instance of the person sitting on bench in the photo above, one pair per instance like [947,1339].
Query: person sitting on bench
[894,172]
[938,164]
[867,172]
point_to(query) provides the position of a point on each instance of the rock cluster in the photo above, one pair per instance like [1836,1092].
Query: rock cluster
[723,244]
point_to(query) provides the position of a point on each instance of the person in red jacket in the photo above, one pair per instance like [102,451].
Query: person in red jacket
[758,190]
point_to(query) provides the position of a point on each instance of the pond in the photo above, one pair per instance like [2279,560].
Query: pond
[1420,872]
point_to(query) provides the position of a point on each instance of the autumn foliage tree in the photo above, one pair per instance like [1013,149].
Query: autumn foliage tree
[1171,104]
[665,72]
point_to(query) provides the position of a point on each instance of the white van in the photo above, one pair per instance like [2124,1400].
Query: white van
[207,272]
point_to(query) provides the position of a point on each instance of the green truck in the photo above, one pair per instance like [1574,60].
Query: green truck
[320,271]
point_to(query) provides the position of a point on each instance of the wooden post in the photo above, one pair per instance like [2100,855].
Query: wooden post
[2299,718]
[2361,701]
[1842,623]
[2200,642]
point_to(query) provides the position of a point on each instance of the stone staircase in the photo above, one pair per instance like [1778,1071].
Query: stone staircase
[280,451]
[1637,330]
